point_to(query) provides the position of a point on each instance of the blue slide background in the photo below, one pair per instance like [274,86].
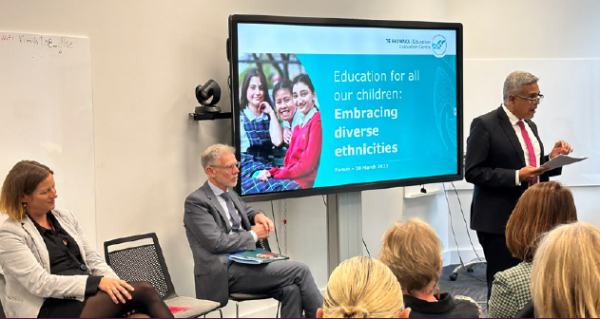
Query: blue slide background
[424,131]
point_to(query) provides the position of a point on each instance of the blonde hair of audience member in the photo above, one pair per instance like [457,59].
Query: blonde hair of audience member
[413,251]
[363,287]
[22,180]
[540,208]
[565,278]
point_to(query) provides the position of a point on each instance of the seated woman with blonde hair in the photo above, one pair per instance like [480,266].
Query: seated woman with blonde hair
[541,208]
[362,287]
[565,277]
[51,270]
[413,251]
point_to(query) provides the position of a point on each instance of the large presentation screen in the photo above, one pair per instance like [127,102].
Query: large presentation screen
[334,105]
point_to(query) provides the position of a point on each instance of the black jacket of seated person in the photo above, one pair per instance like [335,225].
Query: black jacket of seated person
[446,307]
[65,260]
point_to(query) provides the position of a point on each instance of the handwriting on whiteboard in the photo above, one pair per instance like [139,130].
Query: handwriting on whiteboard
[57,43]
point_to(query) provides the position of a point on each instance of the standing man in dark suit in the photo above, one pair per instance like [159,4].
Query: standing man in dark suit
[217,222]
[504,157]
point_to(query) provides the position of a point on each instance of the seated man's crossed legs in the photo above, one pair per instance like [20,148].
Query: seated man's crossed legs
[290,282]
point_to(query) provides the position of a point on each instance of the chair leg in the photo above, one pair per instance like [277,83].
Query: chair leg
[220,312]
[278,313]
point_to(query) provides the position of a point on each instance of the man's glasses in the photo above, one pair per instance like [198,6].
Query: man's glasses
[228,167]
[537,99]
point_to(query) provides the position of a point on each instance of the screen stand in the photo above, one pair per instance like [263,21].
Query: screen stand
[344,228]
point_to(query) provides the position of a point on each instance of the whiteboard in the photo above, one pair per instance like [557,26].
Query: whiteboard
[46,103]
[570,109]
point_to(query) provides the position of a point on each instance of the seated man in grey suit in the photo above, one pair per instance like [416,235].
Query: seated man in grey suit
[217,222]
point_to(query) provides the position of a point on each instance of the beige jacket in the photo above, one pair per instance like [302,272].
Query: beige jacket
[26,266]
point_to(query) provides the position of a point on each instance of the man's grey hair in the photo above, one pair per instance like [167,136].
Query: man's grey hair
[515,82]
[213,153]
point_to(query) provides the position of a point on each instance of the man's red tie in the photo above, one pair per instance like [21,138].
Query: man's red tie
[532,159]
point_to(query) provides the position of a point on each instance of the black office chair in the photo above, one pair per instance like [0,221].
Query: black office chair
[527,312]
[140,258]
[239,298]
[2,294]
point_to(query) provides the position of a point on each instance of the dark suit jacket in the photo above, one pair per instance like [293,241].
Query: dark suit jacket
[208,232]
[493,155]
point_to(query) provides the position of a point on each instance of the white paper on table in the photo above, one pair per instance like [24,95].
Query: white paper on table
[562,160]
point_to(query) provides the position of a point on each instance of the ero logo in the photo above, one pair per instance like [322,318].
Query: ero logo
[439,45]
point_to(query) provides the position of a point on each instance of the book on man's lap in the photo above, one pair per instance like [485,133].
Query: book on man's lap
[255,257]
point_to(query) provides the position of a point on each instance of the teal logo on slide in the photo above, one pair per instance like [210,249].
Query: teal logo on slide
[439,45]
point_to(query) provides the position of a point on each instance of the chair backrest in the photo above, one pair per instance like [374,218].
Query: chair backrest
[527,312]
[2,288]
[140,261]
[264,244]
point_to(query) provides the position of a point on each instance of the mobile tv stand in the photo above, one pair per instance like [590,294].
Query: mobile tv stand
[344,228]
[468,267]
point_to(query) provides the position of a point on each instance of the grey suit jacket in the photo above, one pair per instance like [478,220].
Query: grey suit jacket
[211,240]
[25,262]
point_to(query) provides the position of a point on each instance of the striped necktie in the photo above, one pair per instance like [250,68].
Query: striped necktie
[236,221]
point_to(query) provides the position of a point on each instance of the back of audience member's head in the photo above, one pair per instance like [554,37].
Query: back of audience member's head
[542,207]
[565,277]
[363,287]
[413,251]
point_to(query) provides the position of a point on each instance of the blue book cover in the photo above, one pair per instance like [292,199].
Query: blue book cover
[255,257]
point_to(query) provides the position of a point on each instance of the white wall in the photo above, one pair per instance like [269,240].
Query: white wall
[148,56]
[538,29]
[534,29]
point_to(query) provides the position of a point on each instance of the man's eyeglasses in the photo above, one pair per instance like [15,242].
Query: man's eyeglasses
[228,167]
[536,99]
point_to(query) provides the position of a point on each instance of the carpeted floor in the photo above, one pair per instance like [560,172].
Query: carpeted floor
[471,284]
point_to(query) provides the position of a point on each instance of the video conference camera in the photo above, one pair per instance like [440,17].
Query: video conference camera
[208,95]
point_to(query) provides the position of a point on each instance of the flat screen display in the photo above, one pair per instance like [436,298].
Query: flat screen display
[336,105]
